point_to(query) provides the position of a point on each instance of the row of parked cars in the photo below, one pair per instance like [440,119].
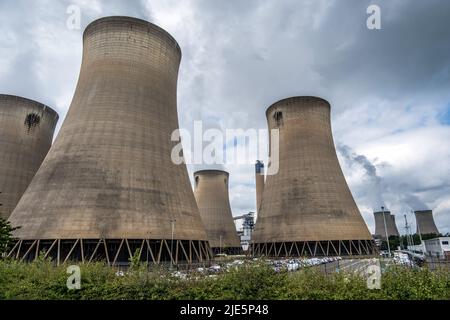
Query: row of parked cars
[277,265]
[295,264]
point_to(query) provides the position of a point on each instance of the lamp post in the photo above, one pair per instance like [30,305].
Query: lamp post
[408,239]
[172,221]
[385,229]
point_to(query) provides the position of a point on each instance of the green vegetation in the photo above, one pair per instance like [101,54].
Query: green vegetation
[42,280]
[6,236]
[395,242]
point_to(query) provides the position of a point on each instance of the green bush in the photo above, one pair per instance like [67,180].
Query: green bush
[42,280]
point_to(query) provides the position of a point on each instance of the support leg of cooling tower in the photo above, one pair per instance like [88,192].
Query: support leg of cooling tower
[130,254]
[296,248]
[80,250]
[11,252]
[334,248]
[149,249]
[54,243]
[314,248]
[118,252]
[105,247]
[71,251]
[28,251]
[185,253]
[95,251]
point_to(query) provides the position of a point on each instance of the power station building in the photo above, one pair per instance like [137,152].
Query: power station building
[385,221]
[108,187]
[307,207]
[211,193]
[425,222]
[26,133]
[259,181]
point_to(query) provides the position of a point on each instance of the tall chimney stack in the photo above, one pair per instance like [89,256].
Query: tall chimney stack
[259,179]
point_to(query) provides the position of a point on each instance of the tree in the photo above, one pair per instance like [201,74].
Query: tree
[394,243]
[6,236]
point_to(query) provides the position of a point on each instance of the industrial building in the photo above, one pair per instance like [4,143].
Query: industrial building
[425,222]
[245,234]
[438,248]
[307,207]
[385,221]
[211,194]
[259,182]
[26,133]
[108,187]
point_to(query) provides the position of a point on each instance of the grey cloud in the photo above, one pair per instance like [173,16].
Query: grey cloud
[386,87]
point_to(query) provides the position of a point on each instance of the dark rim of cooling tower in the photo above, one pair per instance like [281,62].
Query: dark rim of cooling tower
[423,211]
[212,171]
[381,212]
[135,21]
[44,107]
[295,99]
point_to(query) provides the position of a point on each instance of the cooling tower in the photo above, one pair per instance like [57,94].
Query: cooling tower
[26,133]
[425,222]
[108,185]
[307,207]
[391,227]
[259,178]
[211,193]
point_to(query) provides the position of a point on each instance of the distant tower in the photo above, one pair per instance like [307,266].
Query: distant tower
[26,133]
[307,207]
[211,193]
[425,222]
[259,177]
[108,186]
[380,231]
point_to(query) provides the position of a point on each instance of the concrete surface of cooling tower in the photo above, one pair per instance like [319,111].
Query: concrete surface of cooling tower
[26,133]
[425,222]
[109,174]
[307,203]
[211,193]
[391,226]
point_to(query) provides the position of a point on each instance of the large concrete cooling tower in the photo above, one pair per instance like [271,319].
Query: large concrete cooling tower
[380,229]
[108,185]
[425,222]
[211,193]
[307,207]
[26,133]
[259,180]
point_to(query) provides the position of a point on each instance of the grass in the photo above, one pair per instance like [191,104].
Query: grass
[41,280]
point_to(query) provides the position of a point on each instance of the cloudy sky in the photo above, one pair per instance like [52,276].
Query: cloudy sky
[389,88]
